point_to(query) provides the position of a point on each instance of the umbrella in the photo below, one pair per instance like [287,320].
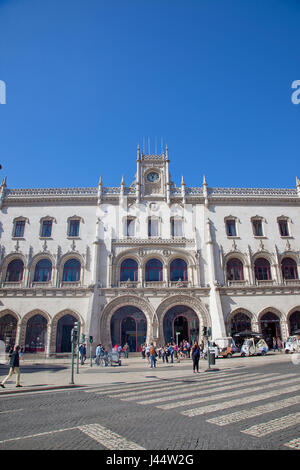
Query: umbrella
[247,333]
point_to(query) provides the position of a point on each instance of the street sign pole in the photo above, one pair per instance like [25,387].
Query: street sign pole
[91,357]
[72,356]
[77,347]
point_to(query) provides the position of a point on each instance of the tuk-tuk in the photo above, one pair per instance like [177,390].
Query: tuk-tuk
[114,358]
[292,344]
[226,346]
[254,347]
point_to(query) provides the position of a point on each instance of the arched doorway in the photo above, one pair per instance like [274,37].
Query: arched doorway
[36,334]
[63,333]
[181,322]
[239,322]
[270,327]
[294,322]
[128,324]
[8,330]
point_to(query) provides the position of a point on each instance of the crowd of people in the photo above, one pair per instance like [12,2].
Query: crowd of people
[171,352]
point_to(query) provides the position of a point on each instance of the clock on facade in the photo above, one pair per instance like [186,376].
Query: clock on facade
[152,177]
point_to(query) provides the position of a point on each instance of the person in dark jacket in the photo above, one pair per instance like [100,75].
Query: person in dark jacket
[14,368]
[196,356]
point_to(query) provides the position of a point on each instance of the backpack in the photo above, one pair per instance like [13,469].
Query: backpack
[152,351]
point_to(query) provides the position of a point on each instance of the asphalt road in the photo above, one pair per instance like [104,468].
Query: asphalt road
[233,409]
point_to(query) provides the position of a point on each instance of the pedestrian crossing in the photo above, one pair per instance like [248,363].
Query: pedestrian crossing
[231,392]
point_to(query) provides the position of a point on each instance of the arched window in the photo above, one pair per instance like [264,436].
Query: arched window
[71,271]
[294,322]
[178,270]
[129,270]
[43,271]
[262,269]
[235,270]
[289,269]
[154,270]
[14,271]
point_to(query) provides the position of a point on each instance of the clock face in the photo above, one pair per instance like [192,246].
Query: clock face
[152,177]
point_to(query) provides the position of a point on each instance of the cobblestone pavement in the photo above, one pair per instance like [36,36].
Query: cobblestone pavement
[246,404]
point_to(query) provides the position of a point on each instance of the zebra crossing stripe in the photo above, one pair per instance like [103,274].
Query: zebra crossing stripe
[154,385]
[230,394]
[158,390]
[274,425]
[294,444]
[240,401]
[257,411]
[108,439]
[203,391]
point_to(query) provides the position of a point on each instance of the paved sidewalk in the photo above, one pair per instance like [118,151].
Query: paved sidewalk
[43,374]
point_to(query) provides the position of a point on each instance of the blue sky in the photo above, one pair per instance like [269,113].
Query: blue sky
[87,80]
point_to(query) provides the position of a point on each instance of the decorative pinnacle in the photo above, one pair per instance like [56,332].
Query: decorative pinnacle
[100,181]
[182,181]
[123,181]
[204,180]
[297,181]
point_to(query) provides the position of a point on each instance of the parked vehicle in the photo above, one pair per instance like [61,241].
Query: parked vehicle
[114,358]
[226,347]
[292,344]
[254,347]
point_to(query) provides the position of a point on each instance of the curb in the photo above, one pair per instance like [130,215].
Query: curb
[37,389]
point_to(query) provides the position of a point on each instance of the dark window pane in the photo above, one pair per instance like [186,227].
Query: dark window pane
[231,228]
[74,228]
[19,228]
[47,228]
[283,228]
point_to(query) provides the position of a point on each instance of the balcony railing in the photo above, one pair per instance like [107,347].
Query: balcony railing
[237,283]
[13,284]
[129,284]
[155,284]
[71,284]
[292,282]
[265,283]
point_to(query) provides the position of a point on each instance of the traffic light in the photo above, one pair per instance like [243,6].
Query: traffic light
[76,325]
[74,335]
[204,331]
[91,339]
[82,338]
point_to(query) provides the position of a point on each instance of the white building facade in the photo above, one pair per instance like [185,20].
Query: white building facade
[147,262]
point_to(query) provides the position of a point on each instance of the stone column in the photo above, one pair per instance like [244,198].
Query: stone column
[216,312]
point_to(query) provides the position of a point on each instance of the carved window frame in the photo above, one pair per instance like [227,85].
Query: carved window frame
[126,220]
[71,219]
[262,220]
[15,221]
[45,219]
[287,220]
[172,221]
[236,220]
[158,220]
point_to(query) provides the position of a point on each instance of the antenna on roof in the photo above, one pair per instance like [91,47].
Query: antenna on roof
[148,145]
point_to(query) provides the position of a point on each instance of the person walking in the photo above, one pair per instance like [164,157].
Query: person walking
[152,356]
[171,353]
[98,354]
[82,352]
[14,368]
[126,348]
[196,356]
